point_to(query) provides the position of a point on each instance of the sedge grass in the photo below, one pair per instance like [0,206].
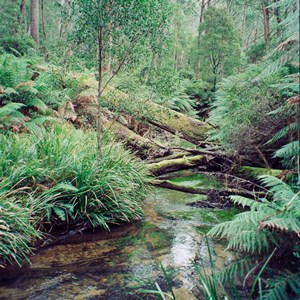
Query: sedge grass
[58,171]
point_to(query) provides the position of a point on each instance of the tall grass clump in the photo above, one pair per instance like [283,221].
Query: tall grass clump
[17,229]
[59,170]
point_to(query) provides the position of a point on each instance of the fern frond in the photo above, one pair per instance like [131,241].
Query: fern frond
[38,103]
[283,132]
[243,201]
[253,216]
[33,128]
[60,213]
[219,230]
[274,183]
[10,108]
[250,241]
[235,270]
[283,222]
[42,120]
[289,150]
[280,285]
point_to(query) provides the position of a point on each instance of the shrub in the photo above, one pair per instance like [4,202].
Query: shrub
[241,111]
[17,44]
[256,52]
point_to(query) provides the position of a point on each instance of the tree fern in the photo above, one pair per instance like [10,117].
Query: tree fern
[288,152]
[268,225]
[283,132]
[288,49]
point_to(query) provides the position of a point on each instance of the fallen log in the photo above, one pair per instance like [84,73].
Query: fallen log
[172,165]
[170,157]
[163,117]
[138,144]
[86,108]
[191,190]
[252,173]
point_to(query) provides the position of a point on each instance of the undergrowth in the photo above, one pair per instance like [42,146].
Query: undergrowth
[54,177]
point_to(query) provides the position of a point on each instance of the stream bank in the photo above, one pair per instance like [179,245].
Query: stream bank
[111,265]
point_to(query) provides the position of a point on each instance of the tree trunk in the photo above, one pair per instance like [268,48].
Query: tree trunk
[23,17]
[59,21]
[172,165]
[266,21]
[278,19]
[142,146]
[34,21]
[100,59]
[244,18]
[43,20]
[199,40]
[86,107]
[163,117]
[198,191]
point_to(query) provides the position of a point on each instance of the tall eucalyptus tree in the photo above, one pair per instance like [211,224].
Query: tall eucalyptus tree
[119,27]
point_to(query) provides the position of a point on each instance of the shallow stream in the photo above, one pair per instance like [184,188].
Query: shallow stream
[113,265]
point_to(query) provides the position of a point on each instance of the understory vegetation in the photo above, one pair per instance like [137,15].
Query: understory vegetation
[53,179]
[96,96]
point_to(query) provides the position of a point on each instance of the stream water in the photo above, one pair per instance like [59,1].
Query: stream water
[113,265]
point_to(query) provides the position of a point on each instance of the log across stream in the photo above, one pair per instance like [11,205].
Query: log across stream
[109,265]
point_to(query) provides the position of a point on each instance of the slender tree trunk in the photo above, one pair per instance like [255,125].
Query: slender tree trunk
[244,17]
[199,40]
[43,20]
[278,19]
[63,3]
[266,21]
[23,17]
[99,123]
[34,21]
[176,38]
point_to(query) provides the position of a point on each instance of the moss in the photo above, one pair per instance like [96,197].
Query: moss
[253,172]
[158,240]
[149,235]
[199,180]
[175,164]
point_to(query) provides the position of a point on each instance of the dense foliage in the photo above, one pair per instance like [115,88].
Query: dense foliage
[233,64]
[242,111]
[53,178]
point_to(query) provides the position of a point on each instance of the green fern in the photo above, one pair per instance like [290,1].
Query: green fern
[13,70]
[9,114]
[237,269]
[268,225]
[278,287]
[283,132]
[289,151]
[60,213]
